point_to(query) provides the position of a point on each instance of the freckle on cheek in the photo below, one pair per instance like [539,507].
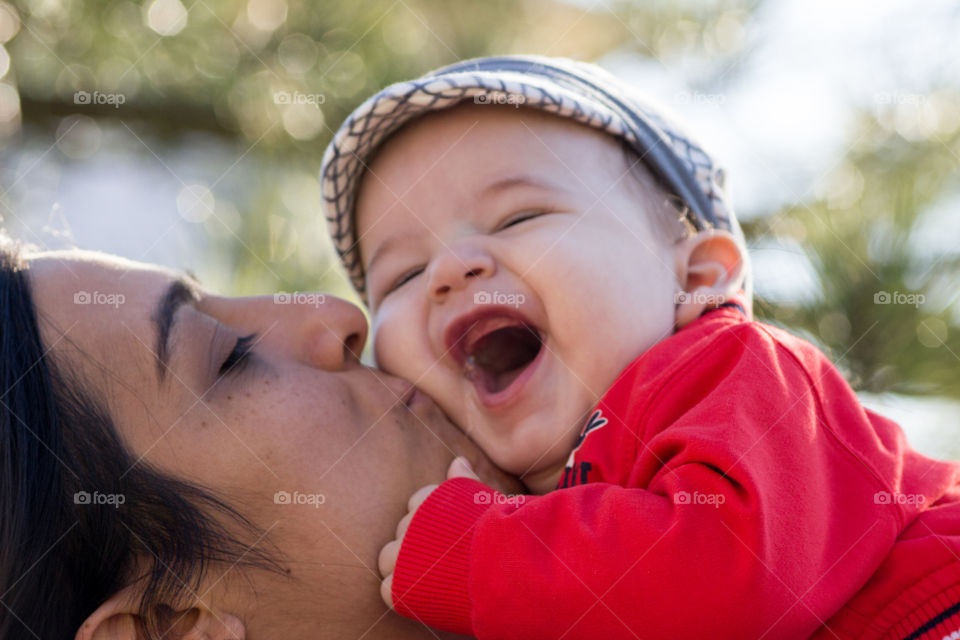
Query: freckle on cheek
[203,424]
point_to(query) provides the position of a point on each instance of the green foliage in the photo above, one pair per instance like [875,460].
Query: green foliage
[886,303]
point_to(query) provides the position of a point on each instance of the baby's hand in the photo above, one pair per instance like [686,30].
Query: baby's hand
[459,468]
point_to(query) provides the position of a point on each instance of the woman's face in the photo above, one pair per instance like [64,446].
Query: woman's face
[318,451]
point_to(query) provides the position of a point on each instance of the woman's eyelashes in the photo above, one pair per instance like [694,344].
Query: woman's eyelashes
[239,356]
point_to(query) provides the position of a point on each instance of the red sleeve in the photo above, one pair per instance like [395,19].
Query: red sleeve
[745,516]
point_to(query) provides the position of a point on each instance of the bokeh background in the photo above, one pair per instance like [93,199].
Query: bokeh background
[190,132]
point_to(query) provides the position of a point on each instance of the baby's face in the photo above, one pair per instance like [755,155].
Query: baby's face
[512,274]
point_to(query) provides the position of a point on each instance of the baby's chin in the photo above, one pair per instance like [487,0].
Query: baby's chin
[539,467]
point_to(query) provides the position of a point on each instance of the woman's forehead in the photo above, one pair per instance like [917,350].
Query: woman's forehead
[85,281]
[101,302]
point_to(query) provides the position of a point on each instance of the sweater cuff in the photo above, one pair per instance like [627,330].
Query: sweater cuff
[432,573]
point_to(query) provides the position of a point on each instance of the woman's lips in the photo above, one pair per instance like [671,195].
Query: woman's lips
[413,397]
[416,397]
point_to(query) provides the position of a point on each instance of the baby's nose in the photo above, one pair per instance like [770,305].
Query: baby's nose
[452,269]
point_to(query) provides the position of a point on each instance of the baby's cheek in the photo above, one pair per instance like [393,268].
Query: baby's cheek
[394,354]
[401,347]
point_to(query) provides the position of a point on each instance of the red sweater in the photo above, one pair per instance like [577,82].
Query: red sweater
[728,485]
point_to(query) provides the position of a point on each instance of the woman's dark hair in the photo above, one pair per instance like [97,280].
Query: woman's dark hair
[63,549]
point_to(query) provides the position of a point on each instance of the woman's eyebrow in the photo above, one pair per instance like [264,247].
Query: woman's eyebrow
[181,291]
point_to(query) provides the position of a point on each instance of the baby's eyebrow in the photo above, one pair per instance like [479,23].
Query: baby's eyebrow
[495,188]
[388,244]
[503,184]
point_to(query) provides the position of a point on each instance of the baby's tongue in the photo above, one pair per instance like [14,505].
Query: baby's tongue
[502,355]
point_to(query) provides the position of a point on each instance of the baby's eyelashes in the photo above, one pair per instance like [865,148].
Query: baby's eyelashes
[408,275]
[518,218]
[402,279]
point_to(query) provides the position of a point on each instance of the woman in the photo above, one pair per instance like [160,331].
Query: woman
[178,464]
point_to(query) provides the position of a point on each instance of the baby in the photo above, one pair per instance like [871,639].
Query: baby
[557,265]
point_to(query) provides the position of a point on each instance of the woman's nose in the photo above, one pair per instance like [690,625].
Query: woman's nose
[335,332]
[320,330]
[452,269]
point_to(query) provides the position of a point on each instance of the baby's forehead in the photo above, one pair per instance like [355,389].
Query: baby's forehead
[471,153]
[472,166]
[465,118]
[473,146]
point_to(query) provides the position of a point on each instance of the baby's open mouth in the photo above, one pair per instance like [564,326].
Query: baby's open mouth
[495,349]
[497,358]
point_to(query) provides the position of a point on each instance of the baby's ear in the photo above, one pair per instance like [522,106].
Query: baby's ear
[710,267]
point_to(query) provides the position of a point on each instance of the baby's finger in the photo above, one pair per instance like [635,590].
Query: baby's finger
[460,468]
[386,590]
[403,525]
[419,496]
[387,560]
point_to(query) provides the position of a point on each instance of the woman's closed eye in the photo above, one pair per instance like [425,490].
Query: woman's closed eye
[239,356]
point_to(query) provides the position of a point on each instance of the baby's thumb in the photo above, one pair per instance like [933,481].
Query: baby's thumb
[460,468]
